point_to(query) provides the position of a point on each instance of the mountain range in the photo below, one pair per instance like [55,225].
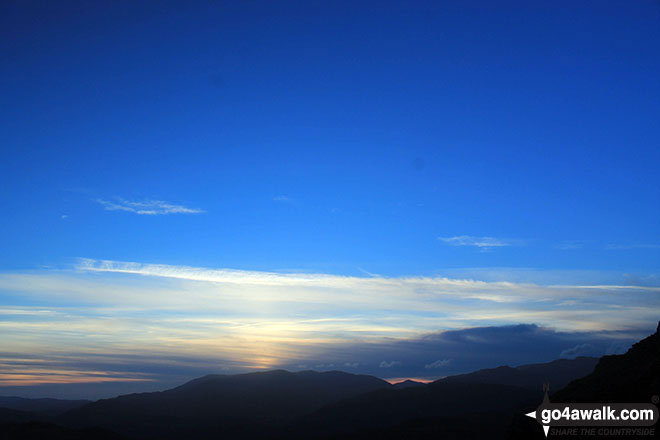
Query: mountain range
[280,404]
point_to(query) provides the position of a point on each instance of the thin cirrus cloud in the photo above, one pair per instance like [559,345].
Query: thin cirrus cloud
[483,243]
[632,246]
[389,364]
[147,207]
[568,245]
[438,364]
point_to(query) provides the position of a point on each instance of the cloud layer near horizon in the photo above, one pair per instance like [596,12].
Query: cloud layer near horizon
[207,320]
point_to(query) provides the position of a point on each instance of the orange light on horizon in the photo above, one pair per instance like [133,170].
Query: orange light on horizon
[396,380]
[41,377]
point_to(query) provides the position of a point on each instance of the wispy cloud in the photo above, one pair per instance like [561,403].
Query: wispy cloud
[483,243]
[282,198]
[438,364]
[579,350]
[147,207]
[568,245]
[390,364]
[632,246]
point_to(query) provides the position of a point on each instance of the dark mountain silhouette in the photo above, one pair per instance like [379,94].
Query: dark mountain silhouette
[17,416]
[48,431]
[333,405]
[557,373]
[233,406]
[49,407]
[437,410]
[408,384]
[24,425]
[280,404]
[630,377]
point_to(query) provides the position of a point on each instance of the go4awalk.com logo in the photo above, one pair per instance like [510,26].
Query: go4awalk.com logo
[602,419]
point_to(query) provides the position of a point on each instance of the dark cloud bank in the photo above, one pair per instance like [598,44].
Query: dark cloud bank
[459,351]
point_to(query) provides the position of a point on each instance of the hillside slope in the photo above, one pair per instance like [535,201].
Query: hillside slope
[630,377]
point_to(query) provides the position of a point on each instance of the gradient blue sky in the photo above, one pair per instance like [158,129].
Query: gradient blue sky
[505,156]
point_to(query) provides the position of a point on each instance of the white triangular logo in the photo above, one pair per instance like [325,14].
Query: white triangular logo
[532,414]
[546,429]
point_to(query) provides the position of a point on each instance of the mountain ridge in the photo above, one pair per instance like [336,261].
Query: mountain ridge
[279,404]
[557,373]
[223,403]
[43,406]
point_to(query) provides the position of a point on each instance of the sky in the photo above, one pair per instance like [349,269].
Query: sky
[403,189]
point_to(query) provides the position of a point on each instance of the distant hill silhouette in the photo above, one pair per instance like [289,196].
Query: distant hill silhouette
[408,384]
[462,406]
[557,373]
[23,425]
[432,411]
[280,404]
[49,407]
[233,406]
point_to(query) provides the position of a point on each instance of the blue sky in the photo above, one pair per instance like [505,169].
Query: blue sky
[383,143]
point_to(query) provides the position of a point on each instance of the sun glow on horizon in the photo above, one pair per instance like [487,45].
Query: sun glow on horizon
[200,321]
